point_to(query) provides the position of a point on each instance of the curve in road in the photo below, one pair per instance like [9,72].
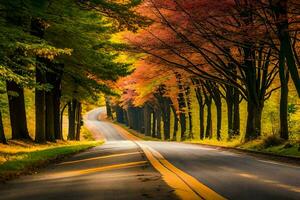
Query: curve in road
[124,168]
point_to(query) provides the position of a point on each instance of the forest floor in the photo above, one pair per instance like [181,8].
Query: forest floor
[25,157]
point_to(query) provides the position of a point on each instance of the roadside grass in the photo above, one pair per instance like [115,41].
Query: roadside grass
[283,150]
[269,145]
[290,148]
[24,157]
[214,142]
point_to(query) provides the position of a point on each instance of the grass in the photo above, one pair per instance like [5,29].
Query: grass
[21,157]
[274,147]
[293,150]
[270,145]
[214,142]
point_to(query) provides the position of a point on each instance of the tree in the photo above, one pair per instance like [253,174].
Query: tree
[205,45]
[281,21]
[17,111]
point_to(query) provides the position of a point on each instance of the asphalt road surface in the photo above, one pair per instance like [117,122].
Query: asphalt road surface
[125,168]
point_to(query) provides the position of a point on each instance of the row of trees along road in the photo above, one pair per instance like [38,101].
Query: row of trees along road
[222,51]
[62,50]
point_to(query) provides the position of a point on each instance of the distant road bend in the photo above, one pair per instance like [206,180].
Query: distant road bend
[126,167]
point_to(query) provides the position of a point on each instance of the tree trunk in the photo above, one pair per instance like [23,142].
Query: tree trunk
[253,127]
[236,113]
[38,29]
[142,125]
[2,135]
[284,128]
[78,120]
[125,119]
[182,115]
[120,114]
[50,117]
[147,120]
[57,131]
[134,116]
[182,105]
[229,118]
[189,107]
[108,107]
[53,77]
[219,118]
[182,119]
[201,121]
[17,111]
[72,118]
[208,133]
[230,110]
[40,119]
[61,120]
[255,95]
[166,118]
[176,120]
[165,111]
[56,99]
[283,74]
[201,108]
[135,119]
[154,123]
[215,93]
[129,117]
[158,124]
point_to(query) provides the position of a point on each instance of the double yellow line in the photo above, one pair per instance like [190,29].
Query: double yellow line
[185,186]
[68,174]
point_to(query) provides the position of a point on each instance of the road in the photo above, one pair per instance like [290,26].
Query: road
[128,168]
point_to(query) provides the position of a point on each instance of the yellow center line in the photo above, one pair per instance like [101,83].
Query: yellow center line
[201,189]
[99,158]
[110,167]
[181,188]
[185,186]
[97,169]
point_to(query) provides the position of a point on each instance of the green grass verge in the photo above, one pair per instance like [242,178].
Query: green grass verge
[214,142]
[23,159]
[284,149]
[291,149]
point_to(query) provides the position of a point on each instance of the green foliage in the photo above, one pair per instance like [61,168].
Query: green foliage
[18,48]
[93,60]
[124,17]
[77,35]
[74,35]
